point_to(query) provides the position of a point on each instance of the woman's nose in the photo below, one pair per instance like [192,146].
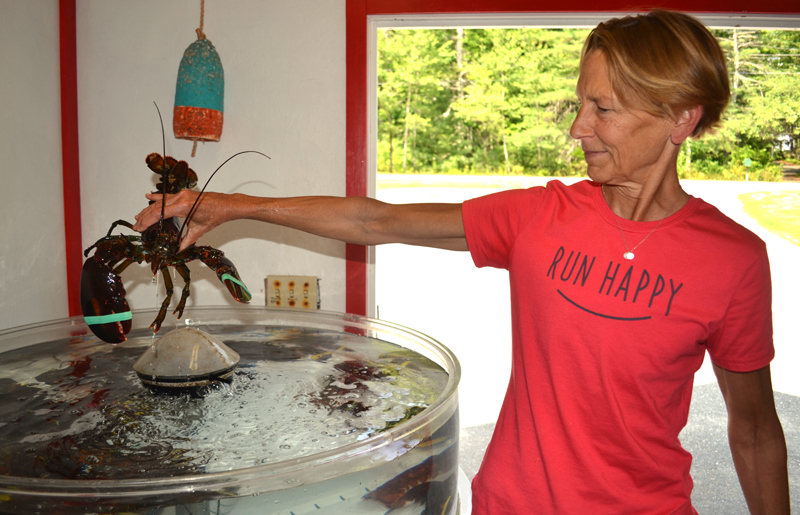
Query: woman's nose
[580,127]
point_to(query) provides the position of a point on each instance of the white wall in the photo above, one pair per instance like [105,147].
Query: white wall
[33,283]
[284,68]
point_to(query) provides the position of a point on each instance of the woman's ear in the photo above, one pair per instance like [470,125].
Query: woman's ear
[685,124]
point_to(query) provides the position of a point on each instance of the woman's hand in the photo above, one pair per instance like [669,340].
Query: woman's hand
[212,210]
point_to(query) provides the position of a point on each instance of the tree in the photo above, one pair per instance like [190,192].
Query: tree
[412,94]
[761,122]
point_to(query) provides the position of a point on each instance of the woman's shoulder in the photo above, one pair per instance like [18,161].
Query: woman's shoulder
[727,231]
[572,186]
[557,186]
[525,202]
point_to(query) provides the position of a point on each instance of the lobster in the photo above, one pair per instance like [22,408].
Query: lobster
[103,303]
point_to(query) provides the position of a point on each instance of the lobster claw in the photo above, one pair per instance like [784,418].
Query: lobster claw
[103,302]
[227,273]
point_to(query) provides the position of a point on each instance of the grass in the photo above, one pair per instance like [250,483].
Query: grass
[778,212]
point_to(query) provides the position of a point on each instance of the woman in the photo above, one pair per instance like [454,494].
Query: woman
[619,285]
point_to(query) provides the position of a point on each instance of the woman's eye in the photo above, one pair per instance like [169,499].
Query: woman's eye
[603,109]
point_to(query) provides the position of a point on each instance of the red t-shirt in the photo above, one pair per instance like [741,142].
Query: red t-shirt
[605,349]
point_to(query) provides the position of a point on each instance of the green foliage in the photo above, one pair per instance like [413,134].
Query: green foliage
[705,159]
[478,101]
[763,119]
[502,101]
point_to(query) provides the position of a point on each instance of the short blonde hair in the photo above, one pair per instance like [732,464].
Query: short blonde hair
[664,62]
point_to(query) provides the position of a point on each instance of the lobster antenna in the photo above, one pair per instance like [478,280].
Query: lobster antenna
[163,170]
[197,200]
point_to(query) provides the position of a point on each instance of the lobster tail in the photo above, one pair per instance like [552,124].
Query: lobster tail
[176,177]
[103,302]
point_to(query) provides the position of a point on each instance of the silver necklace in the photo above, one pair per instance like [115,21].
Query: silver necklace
[629,252]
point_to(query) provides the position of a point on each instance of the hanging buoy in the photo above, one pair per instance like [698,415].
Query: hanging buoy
[199,92]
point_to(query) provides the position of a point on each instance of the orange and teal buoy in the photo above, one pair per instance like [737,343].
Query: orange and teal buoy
[199,93]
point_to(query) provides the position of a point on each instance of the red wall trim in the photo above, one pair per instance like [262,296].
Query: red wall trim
[357,12]
[356,255]
[69,152]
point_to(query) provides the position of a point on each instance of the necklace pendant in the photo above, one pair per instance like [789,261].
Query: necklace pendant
[628,255]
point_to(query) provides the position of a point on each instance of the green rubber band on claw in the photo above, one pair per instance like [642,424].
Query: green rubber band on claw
[229,277]
[107,319]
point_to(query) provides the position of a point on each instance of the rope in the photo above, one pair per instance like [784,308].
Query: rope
[200,34]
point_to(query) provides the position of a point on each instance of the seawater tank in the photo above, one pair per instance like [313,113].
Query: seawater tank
[327,413]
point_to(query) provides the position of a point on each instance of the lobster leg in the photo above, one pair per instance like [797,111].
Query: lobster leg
[122,266]
[184,271]
[119,222]
[225,269]
[108,236]
[162,313]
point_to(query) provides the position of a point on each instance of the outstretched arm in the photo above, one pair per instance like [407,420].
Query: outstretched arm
[359,220]
[756,439]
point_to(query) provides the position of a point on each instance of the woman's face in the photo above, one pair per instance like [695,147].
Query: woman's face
[620,144]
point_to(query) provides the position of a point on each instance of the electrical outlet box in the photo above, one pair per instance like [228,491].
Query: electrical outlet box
[292,291]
